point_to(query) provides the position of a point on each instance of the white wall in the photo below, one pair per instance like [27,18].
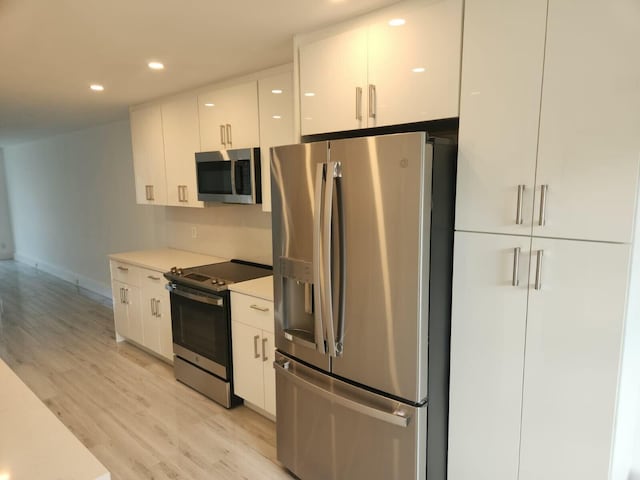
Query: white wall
[72,202]
[6,234]
[232,231]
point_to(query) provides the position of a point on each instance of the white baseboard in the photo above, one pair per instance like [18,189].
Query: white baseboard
[6,256]
[66,275]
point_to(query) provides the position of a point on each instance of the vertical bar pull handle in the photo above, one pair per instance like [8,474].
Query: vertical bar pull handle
[358,103]
[256,338]
[317,258]
[372,101]
[222,134]
[153,311]
[158,314]
[538,285]
[229,139]
[543,205]
[519,218]
[185,193]
[515,280]
[265,357]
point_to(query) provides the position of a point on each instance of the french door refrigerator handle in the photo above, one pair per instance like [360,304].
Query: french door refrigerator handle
[398,418]
[333,172]
[317,277]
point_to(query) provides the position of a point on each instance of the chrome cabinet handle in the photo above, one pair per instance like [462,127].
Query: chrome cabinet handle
[185,194]
[372,101]
[149,192]
[317,277]
[126,296]
[515,280]
[179,193]
[358,103]
[543,205]
[255,346]
[260,309]
[151,277]
[265,357]
[538,285]
[222,135]
[153,312]
[121,295]
[519,218]
[229,139]
[123,269]
[158,314]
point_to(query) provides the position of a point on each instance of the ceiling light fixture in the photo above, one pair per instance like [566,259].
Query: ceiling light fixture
[96,88]
[277,91]
[209,104]
[418,70]
[4,476]
[397,22]
[309,94]
[276,117]
[156,66]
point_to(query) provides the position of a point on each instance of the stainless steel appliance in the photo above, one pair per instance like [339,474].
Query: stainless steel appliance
[229,176]
[201,324]
[362,249]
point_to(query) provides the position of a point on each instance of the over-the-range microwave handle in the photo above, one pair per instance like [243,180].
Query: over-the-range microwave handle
[217,302]
[233,176]
[397,417]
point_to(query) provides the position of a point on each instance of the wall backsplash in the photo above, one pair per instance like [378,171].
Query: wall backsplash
[232,231]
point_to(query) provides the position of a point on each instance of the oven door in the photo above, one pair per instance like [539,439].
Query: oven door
[200,322]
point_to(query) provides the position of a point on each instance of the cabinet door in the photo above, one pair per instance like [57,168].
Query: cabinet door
[211,108]
[331,71]
[415,67]
[163,307]
[120,309]
[152,288]
[134,313]
[487,354]
[269,373]
[589,140]
[247,363]
[574,339]
[499,113]
[148,155]
[275,96]
[181,140]
[242,115]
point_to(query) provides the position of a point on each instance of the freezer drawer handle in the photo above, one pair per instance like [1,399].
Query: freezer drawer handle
[398,417]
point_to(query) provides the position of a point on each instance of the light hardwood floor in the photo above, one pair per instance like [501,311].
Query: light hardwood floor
[122,403]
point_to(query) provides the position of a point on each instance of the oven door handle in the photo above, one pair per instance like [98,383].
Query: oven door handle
[218,302]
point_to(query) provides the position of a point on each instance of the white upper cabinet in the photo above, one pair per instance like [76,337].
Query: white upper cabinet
[502,66]
[275,97]
[333,83]
[229,117]
[575,328]
[148,155]
[401,67]
[589,131]
[414,68]
[181,141]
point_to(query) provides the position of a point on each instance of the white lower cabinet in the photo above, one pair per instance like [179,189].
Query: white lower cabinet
[535,357]
[141,308]
[253,351]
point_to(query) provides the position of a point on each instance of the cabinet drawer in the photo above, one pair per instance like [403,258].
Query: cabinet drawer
[151,278]
[124,272]
[252,311]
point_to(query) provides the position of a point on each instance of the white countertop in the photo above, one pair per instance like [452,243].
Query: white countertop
[34,444]
[260,287]
[162,259]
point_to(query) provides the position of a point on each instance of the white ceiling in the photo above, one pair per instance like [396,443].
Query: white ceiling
[51,50]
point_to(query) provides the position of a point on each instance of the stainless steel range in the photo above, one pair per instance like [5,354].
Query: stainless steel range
[201,324]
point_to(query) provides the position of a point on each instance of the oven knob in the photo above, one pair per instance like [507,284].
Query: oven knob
[174,270]
[179,271]
[214,281]
[221,282]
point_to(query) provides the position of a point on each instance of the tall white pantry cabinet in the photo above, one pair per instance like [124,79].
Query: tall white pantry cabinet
[545,335]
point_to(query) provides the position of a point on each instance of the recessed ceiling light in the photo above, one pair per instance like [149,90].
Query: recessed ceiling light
[156,66]
[4,476]
[277,117]
[276,91]
[96,88]
[418,70]
[209,104]
[397,22]
[309,94]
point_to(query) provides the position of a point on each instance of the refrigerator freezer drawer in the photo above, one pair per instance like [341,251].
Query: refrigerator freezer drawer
[328,429]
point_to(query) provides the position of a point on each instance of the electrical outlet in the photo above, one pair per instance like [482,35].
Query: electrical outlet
[194,232]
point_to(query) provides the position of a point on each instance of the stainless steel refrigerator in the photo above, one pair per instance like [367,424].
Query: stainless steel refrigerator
[362,252]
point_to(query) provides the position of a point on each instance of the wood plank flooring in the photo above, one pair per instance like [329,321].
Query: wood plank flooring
[122,403]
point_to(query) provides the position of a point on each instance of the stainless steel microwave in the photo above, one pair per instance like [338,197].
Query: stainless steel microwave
[229,176]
